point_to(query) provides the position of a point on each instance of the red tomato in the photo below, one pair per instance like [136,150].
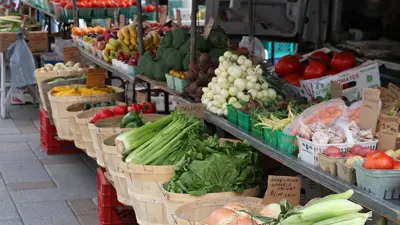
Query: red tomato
[342,61]
[69,5]
[321,56]
[94,4]
[109,4]
[151,8]
[63,3]
[293,78]
[144,9]
[331,72]
[314,70]
[80,5]
[287,65]
[133,2]
[88,5]
[396,165]
[378,161]
[128,4]
[101,4]
[57,1]
[122,5]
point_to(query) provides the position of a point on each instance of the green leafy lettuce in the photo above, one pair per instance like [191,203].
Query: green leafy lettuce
[210,168]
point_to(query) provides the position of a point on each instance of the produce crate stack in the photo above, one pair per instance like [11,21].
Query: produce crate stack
[111,211]
[48,138]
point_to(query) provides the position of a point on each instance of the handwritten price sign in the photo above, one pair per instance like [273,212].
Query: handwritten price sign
[369,111]
[196,109]
[283,187]
[388,128]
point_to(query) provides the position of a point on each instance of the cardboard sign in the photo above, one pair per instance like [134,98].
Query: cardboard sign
[394,92]
[163,14]
[135,19]
[115,19]
[121,20]
[369,111]
[208,28]
[178,17]
[387,101]
[223,140]
[71,54]
[196,109]
[108,24]
[96,78]
[388,129]
[283,187]
[336,90]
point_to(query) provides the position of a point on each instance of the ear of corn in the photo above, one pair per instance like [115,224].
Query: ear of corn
[328,209]
[351,219]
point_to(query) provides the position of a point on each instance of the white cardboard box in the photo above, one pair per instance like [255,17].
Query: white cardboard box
[366,75]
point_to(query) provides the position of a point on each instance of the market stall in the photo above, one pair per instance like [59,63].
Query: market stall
[323,114]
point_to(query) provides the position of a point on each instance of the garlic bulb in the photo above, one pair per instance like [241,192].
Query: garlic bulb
[320,137]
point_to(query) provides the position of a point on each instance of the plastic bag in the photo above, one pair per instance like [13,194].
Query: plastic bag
[22,64]
[326,112]
[259,49]
[354,111]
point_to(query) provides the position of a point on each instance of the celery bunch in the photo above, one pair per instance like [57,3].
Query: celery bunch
[169,145]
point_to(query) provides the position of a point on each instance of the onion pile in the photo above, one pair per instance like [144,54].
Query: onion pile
[231,214]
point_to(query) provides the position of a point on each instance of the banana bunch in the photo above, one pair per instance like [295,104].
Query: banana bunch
[128,36]
[151,41]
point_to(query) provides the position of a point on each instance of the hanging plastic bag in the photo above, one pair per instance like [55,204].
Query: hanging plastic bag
[22,64]
[259,49]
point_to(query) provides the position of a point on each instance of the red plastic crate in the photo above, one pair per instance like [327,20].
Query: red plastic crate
[48,139]
[45,123]
[111,211]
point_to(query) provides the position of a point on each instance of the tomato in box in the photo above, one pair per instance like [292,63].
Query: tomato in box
[378,161]
[314,70]
[287,65]
[342,61]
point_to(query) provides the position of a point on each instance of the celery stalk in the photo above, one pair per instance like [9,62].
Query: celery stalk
[132,139]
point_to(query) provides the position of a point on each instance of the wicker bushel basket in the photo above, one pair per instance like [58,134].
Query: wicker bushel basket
[110,126]
[76,132]
[44,88]
[196,212]
[116,168]
[59,106]
[146,193]
[175,200]
[83,121]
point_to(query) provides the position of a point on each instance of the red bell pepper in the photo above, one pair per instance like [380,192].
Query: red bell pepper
[137,108]
[378,161]
[103,114]
[148,107]
[120,110]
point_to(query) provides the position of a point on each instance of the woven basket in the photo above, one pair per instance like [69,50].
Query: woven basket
[110,126]
[44,87]
[83,121]
[146,193]
[116,168]
[59,106]
[175,200]
[76,132]
[102,130]
[196,212]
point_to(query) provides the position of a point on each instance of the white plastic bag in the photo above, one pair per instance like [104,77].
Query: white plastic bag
[259,49]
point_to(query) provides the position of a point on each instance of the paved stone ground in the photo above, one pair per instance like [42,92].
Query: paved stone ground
[39,189]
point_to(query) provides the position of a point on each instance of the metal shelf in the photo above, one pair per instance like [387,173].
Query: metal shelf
[43,11]
[106,66]
[386,208]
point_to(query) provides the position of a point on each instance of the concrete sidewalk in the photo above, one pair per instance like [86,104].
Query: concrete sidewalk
[38,189]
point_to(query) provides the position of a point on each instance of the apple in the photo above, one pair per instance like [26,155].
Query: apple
[108,37]
[100,38]
[120,56]
[101,45]
[127,56]
[107,32]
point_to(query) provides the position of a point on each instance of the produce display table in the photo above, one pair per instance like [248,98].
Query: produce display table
[386,208]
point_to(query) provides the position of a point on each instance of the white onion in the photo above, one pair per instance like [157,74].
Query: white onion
[243,221]
[237,207]
[272,210]
[221,59]
[221,216]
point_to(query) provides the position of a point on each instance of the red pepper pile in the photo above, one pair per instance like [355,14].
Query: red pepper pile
[145,108]
[320,64]
[381,161]
[118,110]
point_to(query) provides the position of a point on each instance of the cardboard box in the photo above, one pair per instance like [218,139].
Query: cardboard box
[37,41]
[365,75]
